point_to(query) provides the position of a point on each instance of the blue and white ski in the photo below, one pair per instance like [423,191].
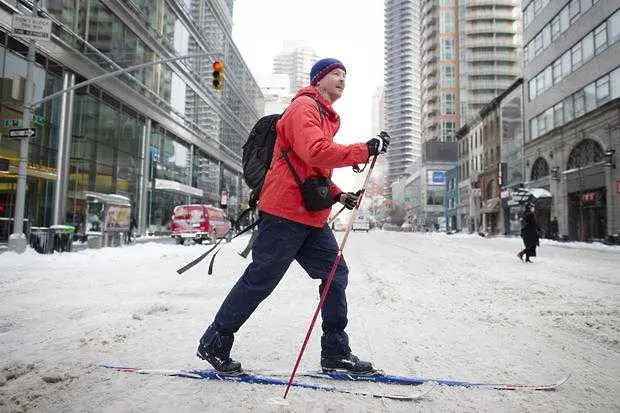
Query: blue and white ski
[380,377]
[251,378]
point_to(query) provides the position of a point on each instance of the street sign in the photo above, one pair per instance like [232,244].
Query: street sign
[32,27]
[22,133]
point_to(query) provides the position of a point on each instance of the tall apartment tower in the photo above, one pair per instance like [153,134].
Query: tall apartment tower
[402,86]
[470,54]
[296,61]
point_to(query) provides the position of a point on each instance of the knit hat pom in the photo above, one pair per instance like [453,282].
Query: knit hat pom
[323,67]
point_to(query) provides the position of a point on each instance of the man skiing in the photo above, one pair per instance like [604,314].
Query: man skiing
[289,230]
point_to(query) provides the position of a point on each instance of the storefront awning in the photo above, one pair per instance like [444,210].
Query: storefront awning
[177,187]
[521,195]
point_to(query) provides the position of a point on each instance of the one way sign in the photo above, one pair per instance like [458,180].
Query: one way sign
[22,133]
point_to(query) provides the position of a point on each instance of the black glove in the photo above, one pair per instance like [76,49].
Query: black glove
[349,199]
[378,145]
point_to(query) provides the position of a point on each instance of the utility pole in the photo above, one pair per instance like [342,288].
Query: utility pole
[17,240]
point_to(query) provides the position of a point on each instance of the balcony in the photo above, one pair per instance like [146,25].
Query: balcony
[502,14]
[428,6]
[501,41]
[479,28]
[489,84]
[507,3]
[477,70]
[496,56]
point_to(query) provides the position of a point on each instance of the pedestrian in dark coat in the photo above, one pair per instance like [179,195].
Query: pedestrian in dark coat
[288,232]
[529,233]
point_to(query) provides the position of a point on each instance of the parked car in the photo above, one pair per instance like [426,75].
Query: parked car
[199,223]
[361,223]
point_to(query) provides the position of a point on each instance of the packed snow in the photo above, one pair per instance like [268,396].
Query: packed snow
[428,304]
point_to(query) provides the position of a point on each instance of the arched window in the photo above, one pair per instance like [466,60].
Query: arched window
[540,169]
[585,153]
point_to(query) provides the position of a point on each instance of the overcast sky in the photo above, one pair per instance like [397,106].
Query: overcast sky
[349,30]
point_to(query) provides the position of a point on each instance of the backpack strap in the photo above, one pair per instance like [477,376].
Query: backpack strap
[284,153]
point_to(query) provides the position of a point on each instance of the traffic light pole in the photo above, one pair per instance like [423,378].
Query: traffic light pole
[17,240]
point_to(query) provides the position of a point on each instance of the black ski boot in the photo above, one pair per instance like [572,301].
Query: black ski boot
[351,364]
[221,364]
[215,348]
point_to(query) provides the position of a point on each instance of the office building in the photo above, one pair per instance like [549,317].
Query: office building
[158,137]
[572,112]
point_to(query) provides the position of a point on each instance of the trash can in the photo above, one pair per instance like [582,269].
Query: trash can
[42,240]
[63,237]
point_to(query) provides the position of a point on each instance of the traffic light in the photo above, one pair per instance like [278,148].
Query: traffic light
[218,75]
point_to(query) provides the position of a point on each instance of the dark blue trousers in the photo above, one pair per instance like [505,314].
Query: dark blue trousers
[278,243]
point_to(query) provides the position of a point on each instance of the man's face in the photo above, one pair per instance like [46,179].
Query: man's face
[333,84]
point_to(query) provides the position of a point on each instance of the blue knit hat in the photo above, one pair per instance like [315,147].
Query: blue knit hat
[323,67]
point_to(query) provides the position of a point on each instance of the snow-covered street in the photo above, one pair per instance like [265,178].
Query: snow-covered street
[446,306]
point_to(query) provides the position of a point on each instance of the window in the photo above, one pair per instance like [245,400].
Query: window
[600,38]
[564,19]
[447,75]
[546,36]
[548,82]
[566,63]
[447,49]
[573,10]
[576,56]
[532,84]
[555,27]
[587,46]
[448,106]
[590,93]
[580,104]
[602,88]
[613,25]
[534,128]
[557,71]
[568,109]
[448,130]
[615,83]
[558,114]
[447,21]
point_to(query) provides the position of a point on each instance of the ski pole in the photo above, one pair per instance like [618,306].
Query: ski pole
[330,278]
[332,219]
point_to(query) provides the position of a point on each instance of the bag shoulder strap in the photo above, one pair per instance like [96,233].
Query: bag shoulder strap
[285,152]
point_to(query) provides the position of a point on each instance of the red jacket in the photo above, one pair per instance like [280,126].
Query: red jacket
[313,153]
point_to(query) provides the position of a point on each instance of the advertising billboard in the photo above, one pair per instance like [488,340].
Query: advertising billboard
[435,177]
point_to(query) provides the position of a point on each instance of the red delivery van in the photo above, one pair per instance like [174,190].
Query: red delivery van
[199,223]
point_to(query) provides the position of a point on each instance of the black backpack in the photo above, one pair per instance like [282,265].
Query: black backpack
[258,152]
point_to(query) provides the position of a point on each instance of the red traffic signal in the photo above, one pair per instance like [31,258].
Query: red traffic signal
[218,75]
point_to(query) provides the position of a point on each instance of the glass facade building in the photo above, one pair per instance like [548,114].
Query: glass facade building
[160,135]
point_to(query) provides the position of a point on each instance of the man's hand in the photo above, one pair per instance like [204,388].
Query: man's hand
[378,145]
[349,199]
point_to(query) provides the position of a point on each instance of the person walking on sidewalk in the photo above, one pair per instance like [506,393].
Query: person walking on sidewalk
[529,233]
[288,231]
